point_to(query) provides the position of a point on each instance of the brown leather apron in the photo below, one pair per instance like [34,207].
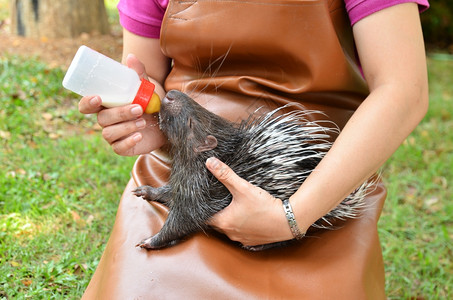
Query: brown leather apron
[234,56]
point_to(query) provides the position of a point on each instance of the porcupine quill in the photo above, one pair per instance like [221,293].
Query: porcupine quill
[275,151]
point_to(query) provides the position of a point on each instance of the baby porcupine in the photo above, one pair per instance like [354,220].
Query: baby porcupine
[275,151]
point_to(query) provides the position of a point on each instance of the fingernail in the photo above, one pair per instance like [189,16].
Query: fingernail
[137,137]
[213,163]
[95,101]
[137,110]
[140,123]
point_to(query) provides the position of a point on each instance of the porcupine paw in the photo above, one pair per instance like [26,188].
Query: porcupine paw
[258,248]
[145,191]
[254,248]
[146,244]
[155,242]
[266,246]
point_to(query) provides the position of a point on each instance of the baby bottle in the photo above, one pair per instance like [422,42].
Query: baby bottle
[92,73]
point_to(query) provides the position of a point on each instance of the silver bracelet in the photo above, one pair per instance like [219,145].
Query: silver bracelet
[292,220]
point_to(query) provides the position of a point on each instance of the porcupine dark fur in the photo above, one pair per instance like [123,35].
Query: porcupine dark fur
[275,151]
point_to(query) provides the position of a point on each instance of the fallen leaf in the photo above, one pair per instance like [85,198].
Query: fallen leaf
[431,201]
[21,171]
[442,181]
[5,135]
[54,135]
[424,133]
[14,263]
[27,282]
[32,144]
[46,177]
[75,216]
[79,269]
[20,94]
[11,174]
[90,219]
[47,116]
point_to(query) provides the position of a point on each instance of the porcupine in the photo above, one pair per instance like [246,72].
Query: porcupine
[275,151]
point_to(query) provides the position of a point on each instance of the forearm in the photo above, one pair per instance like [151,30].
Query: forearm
[148,51]
[370,137]
[393,59]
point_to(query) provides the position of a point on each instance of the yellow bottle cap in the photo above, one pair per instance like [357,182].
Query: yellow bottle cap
[153,105]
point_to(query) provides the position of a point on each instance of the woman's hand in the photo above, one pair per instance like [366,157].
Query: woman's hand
[254,217]
[126,128]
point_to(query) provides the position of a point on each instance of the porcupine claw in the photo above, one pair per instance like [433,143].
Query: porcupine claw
[150,193]
[145,191]
[155,242]
[145,244]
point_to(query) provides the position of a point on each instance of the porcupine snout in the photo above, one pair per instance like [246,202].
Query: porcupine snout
[172,102]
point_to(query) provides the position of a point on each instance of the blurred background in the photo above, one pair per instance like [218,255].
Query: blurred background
[60,183]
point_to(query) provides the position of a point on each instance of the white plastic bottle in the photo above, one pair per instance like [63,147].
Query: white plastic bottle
[92,73]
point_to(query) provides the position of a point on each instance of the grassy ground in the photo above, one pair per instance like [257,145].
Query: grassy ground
[416,227]
[60,184]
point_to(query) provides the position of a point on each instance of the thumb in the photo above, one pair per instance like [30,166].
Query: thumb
[135,64]
[224,174]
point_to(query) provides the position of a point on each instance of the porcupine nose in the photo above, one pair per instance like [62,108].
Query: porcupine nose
[173,95]
[169,97]
[170,101]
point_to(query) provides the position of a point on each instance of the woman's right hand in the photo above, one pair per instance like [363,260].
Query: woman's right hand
[126,128]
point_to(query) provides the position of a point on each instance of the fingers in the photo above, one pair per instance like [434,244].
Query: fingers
[225,175]
[116,132]
[90,105]
[120,114]
[133,63]
[126,146]
[93,104]
[121,126]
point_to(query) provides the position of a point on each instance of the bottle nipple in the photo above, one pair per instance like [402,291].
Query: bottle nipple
[153,105]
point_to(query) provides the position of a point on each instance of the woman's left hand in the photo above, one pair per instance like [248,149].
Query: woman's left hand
[254,217]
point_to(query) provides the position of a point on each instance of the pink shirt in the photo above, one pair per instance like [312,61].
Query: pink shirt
[144,17]
[359,9]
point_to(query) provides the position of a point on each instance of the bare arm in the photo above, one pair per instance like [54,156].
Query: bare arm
[126,128]
[391,49]
[390,45]
[148,52]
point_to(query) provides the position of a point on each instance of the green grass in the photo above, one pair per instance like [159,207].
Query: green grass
[60,185]
[416,227]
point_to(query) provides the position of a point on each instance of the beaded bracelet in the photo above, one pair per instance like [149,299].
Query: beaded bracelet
[292,220]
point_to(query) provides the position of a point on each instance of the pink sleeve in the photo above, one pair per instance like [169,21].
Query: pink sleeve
[142,17]
[359,9]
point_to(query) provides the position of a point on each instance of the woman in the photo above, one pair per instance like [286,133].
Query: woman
[236,56]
